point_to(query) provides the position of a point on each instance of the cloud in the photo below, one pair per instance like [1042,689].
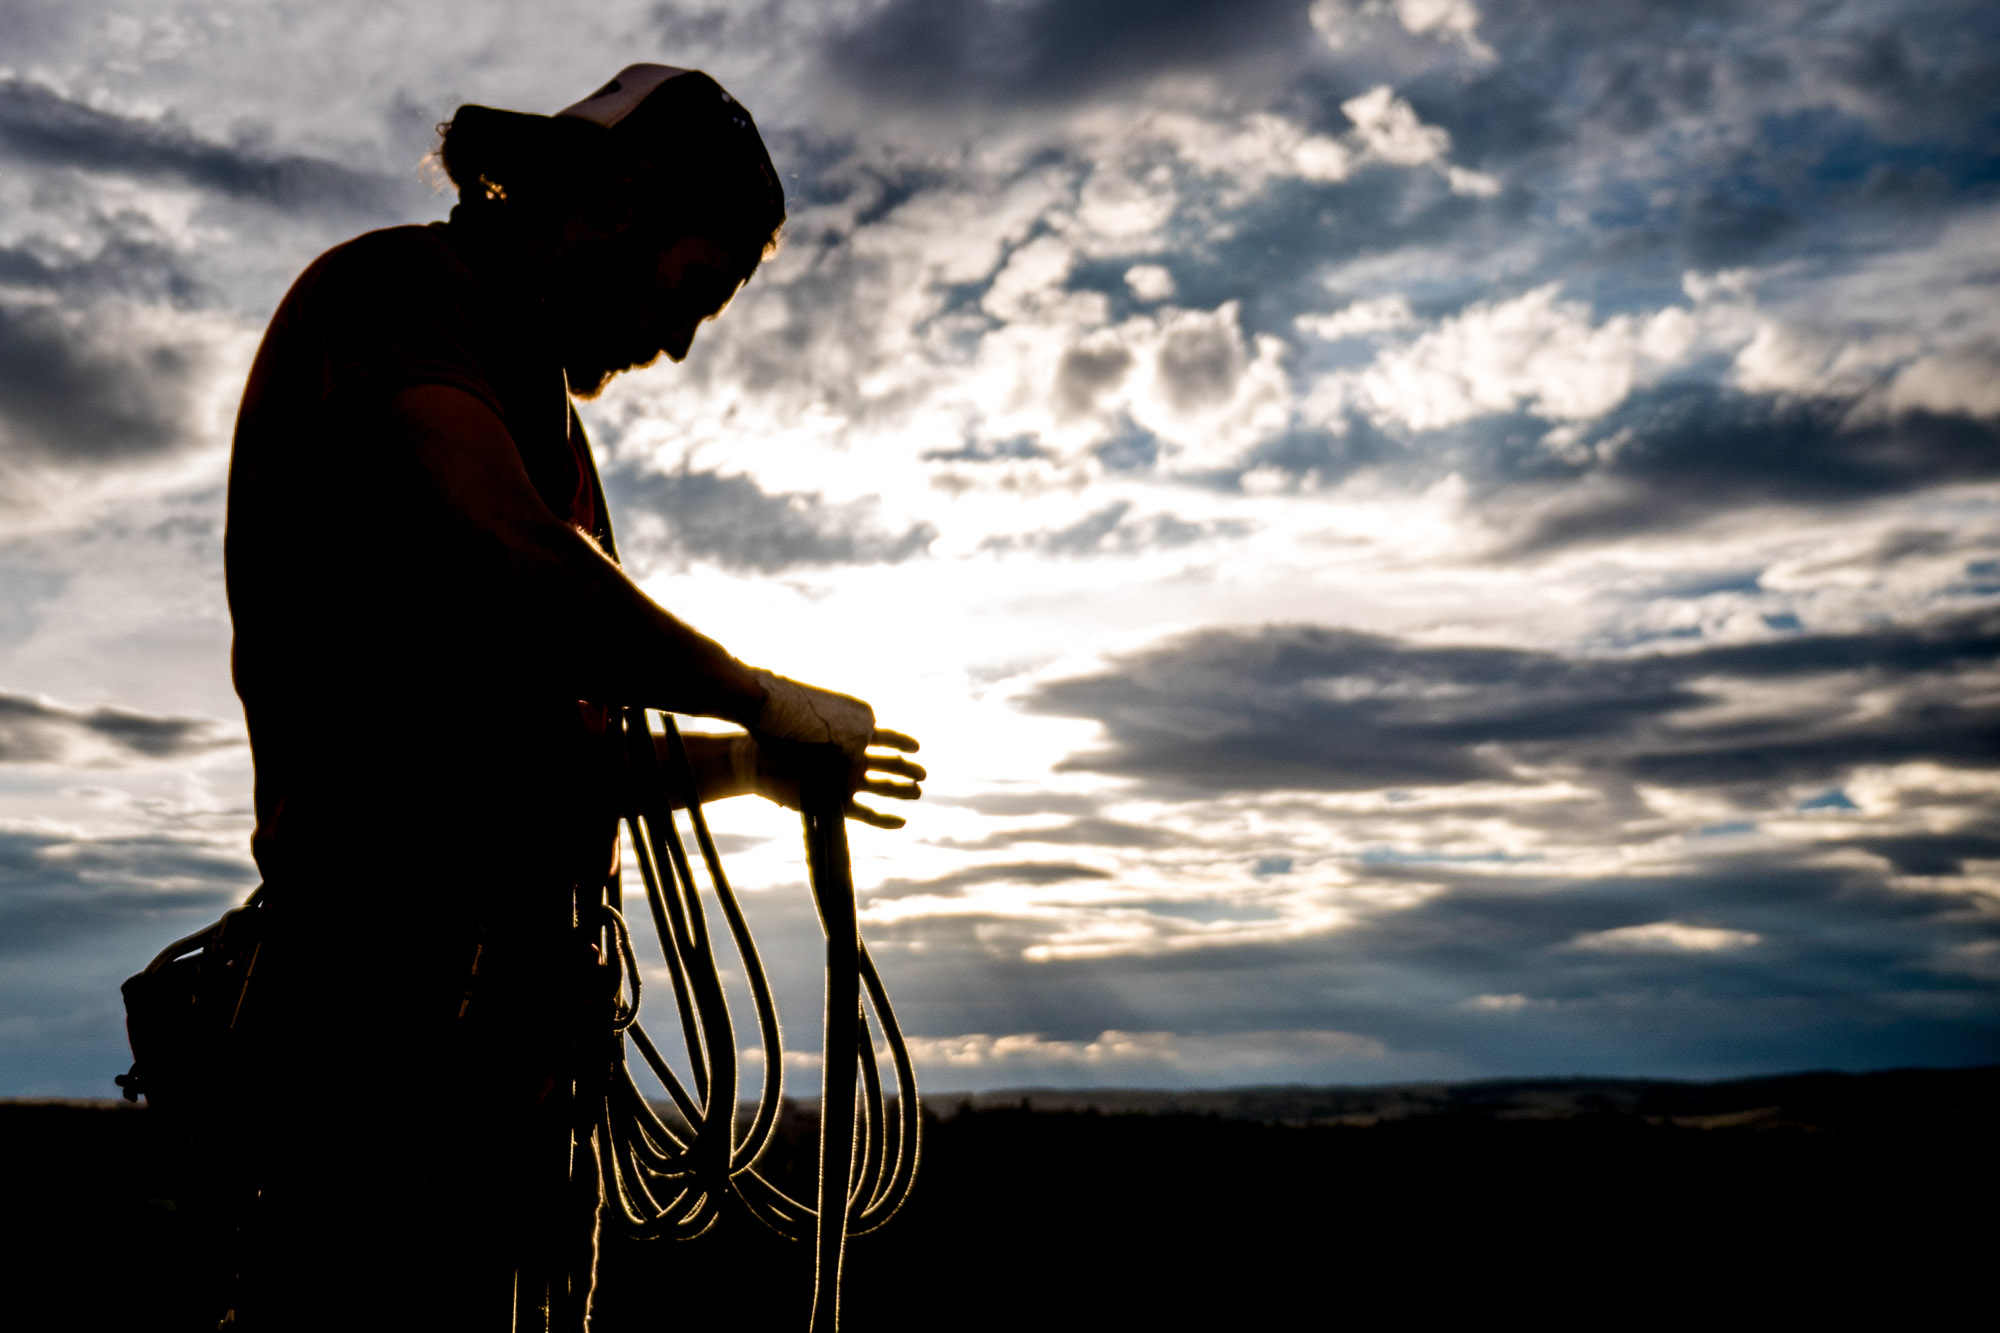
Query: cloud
[1666,937]
[133,258]
[41,127]
[1310,708]
[1680,454]
[63,892]
[1109,530]
[1533,352]
[1113,1053]
[1012,872]
[1150,282]
[1375,315]
[86,387]
[35,731]
[1721,230]
[1956,383]
[78,914]
[730,520]
[1679,588]
[1033,51]
[1448,20]
[1085,832]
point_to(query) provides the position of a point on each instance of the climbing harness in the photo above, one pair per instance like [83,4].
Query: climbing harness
[667,1180]
[185,1011]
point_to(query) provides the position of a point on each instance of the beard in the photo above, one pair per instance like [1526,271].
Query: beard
[600,332]
[603,343]
[586,381]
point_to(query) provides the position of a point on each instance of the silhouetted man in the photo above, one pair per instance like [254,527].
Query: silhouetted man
[428,633]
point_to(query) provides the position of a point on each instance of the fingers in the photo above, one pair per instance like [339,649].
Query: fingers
[895,740]
[874,774]
[900,791]
[896,765]
[856,810]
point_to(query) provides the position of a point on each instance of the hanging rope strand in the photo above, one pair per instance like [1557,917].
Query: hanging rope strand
[661,1181]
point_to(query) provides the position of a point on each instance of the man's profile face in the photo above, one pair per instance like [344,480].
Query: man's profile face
[630,301]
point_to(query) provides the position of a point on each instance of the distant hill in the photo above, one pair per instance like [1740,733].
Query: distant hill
[1788,1200]
[1826,1100]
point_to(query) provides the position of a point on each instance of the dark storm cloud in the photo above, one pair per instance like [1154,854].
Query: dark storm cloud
[129,263]
[1108,531]
[32,731]
[1819,123]
[1685,452]
[74,393]
[982,51]
[1723,230]
[1837,950]
[1923,66]
[40,127]
[1845,970]
[1306,707]
[733,522]
[77,916]
[57,891]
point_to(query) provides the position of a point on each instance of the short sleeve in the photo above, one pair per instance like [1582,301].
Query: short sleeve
[394,309]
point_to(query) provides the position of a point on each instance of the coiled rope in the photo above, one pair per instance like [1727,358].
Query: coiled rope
[664,1180]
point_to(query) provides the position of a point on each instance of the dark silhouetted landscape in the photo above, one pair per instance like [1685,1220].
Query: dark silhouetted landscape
[1757,1201]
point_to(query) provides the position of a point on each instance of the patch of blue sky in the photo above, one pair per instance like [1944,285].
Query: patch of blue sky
[1982,579]
[1709,585]
[1396,856]
[1849,153]
[1640,637]
[1106,277]
[1131,448]
[1831,799]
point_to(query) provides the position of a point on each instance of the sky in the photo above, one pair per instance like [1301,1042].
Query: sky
[1423,539]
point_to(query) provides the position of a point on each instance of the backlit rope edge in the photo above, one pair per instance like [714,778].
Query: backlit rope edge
[661,1181]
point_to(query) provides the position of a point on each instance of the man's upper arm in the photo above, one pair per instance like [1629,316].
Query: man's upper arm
[463,462]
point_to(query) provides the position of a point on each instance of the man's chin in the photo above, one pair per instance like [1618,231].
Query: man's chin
[588,380]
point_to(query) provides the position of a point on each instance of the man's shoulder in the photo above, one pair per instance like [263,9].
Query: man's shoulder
[403,260]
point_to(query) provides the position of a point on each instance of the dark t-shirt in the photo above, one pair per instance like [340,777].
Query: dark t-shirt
[406,733]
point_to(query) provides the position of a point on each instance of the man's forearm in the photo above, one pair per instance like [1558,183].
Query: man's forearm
[717,775]
[565,605]
[627,648]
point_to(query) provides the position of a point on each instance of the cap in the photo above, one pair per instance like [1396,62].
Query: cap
[646,105]
[622,96]
[673,120]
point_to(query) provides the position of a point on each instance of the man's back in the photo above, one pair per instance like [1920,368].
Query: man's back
[393,702]
[427,802]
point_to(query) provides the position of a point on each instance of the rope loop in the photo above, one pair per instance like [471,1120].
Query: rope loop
[674,1176]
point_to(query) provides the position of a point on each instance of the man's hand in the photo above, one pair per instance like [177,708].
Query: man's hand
[807,715]
[773,770]
[794,730]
